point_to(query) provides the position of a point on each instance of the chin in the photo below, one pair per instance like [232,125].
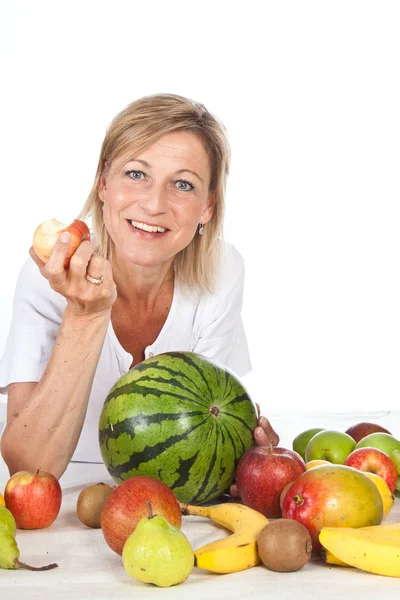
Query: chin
[146,259]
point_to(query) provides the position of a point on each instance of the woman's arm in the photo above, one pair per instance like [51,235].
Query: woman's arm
[44,419]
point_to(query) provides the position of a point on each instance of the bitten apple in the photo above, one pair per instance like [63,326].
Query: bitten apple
[34,499]
[48,233]
[126,505]
[361,430]
[374,461]
[261,475]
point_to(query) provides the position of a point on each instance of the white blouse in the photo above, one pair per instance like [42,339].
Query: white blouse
[205,323]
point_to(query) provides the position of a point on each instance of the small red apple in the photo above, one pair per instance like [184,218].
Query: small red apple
[374,461]
[34,499]
[126,505]
[48,233]
[361,430]
[261,475]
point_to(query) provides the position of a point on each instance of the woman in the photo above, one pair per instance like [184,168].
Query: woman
[155,277]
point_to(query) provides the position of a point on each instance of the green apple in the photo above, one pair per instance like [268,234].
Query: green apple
[331,445]
[300,442]
[383,441]
[395,456]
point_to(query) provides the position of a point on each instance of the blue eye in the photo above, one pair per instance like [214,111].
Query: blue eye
[137,175]
[184,185]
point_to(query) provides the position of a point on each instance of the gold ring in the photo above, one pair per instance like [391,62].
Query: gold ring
[95,280]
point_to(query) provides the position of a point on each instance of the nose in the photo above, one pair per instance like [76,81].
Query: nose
[155,201]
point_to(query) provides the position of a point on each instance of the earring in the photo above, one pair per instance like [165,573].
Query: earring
[201,229]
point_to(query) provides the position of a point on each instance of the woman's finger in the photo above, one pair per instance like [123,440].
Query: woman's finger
[96,267]
[258,411]
[80,260]
[264,434]
[54,269]
[234,491]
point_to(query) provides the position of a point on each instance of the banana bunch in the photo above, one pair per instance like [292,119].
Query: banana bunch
[374,549]
[237,551]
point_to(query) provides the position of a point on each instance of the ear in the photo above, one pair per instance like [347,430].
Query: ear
[102,186]
[209,209]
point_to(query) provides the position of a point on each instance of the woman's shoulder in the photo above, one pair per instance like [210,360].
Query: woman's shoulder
[231,266]
[230,255]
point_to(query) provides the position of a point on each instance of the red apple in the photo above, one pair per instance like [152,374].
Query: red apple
[34,499]
[374,461]
[48,233]
[126,505]
[293,454]
[361,430]
[332,496]
[261,475]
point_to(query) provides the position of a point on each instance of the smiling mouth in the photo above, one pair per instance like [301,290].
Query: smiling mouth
[146,227]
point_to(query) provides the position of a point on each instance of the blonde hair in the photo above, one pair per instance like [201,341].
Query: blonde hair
[138,126]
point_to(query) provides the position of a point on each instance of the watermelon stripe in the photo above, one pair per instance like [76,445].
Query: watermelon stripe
[242,445]
[178,373]
[190,362]
[152,451]
[184,470]
[143,420]
[206,479]
[237,418]
[127,389]
[224,425]
[160,394]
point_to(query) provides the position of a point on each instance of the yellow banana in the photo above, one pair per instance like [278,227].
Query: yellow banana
[331,559]
[385,529]
[366,550]
[237,551]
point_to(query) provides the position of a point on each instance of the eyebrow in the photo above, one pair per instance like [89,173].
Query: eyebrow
[146,164]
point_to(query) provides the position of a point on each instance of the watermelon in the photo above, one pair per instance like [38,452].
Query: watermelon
[181,418]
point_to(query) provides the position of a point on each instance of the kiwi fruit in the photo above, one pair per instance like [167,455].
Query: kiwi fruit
[284,545]
[90,502]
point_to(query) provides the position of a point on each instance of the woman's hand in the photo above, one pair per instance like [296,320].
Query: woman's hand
[264,435]
[83,297]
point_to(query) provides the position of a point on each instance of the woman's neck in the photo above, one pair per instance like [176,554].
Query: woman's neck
[141,284]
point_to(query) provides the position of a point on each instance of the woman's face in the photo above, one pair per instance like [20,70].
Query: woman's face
[155,200]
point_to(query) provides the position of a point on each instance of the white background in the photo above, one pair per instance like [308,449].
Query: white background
[310,95]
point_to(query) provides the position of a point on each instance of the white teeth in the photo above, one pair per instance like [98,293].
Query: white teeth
[151,228]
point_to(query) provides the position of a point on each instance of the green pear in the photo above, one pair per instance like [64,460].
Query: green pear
[9,552]
[7,521]
[157,552]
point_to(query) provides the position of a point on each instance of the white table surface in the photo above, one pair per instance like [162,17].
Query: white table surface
[88,568]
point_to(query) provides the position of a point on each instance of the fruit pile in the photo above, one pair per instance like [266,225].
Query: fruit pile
[174,433]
